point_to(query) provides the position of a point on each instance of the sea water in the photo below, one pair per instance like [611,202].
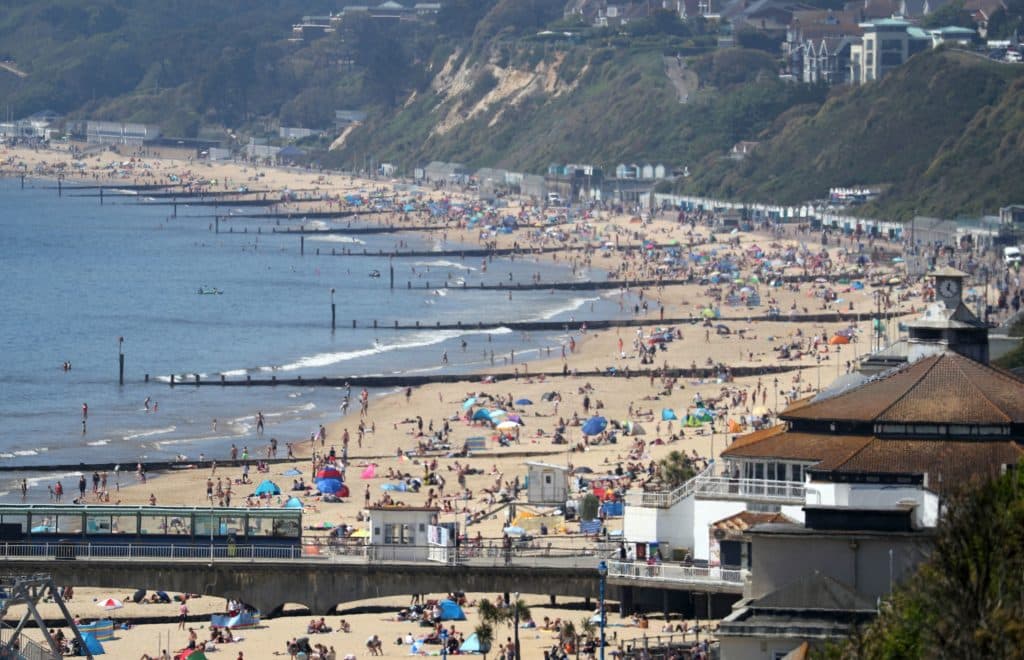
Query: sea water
[78,276]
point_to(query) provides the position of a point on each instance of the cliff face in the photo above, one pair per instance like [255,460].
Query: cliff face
[942,134]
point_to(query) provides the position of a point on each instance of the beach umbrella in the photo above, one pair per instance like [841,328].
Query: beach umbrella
[594,425]
[636,429]
[507,425]
[293,503]
[268,487]
[369,471]
[838,339]
[524,402]
[481,416]
[497,413]
[329,472]
[516,418]
[468,403]
[326,486]
[667,414]
[110,604]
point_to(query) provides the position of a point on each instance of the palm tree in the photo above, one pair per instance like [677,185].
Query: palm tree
[484,635]
[675,469]
[568,633]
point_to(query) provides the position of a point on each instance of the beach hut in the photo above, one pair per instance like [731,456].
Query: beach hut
[268,487]
[547,484]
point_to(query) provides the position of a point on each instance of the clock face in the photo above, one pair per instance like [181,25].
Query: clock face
[949,288]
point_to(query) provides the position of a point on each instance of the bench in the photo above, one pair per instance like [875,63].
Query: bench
[476,444]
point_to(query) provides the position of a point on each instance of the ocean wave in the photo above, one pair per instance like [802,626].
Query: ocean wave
[337,238]
[98,443]
[571,306]
[35,481]
[420,340]
[442,263]
[150,434]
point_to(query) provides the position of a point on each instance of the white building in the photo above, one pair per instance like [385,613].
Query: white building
[547,484]
[401,532]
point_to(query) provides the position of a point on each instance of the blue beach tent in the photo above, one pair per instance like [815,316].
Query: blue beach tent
[293,503]
[450,611]
[268,487]
[471,645]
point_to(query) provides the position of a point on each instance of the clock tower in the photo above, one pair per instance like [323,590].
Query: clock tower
[947,323]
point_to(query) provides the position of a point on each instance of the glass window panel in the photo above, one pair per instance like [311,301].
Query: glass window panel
[181,524]
[154,525]
[69,523]
[97,524]
[21,520]
[126,524]
[232,525]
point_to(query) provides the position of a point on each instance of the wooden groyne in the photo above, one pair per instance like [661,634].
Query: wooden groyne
[374,229]
[127,466]
[417,380]
[607,324]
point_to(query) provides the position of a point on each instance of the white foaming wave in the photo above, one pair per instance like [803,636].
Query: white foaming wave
[27,452]
[150,434]
[418,341]
[571,306]
[337,238]
[315,224]
[35,481]
[234,372]
[441,263]
[98,443]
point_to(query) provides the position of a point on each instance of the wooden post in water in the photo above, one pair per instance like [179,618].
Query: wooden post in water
[391,272]
[216,224]
[60,187]
[22,181]
[101,195]
[120,360]
[302,246]
[333,315]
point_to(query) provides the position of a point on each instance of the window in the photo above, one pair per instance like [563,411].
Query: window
[98,524]
[126,524]
[798,472]
[869,45]
[153,525]
[398,534]
[19,519]
[891,44]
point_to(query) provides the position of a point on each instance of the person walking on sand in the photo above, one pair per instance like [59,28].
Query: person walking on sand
[183,613]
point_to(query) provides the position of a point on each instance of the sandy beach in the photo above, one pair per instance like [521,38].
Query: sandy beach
[391,435]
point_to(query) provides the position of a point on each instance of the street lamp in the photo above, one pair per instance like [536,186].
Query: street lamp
[602,571]
[444,643]
[775,384]
[515,615]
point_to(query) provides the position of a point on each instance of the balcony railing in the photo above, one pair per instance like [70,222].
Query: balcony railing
[783,492]
[674,573]
[709,485]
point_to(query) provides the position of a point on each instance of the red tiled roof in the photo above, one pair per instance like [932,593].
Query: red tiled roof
[948,463]
[944,389]
[781,444]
